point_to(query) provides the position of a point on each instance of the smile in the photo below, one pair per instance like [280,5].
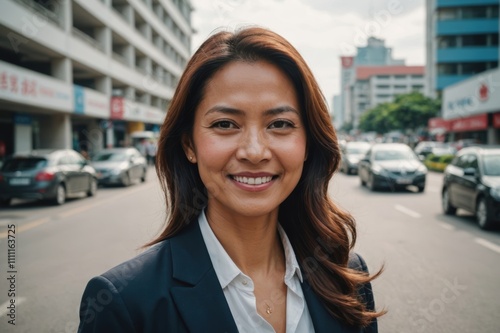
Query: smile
[252,181]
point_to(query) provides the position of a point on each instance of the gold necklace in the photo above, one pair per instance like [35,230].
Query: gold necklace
[269,309]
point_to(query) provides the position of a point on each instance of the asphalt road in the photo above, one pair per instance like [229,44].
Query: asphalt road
[441,273]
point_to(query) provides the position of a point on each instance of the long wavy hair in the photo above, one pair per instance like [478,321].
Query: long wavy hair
[321,234]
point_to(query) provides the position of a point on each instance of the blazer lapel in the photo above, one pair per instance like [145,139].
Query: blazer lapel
[323,322]
[200,300]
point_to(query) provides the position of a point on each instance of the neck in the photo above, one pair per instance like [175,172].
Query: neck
[253,243]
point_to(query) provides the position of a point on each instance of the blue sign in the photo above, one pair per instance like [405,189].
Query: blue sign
[22,119]
[79,99]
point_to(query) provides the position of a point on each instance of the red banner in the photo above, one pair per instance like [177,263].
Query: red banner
[496,120]
[117,108]
[473,123]
[435,123]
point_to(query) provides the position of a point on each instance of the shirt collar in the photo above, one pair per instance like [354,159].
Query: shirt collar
[224,266]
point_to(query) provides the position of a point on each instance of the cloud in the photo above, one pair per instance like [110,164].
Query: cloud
[322,30]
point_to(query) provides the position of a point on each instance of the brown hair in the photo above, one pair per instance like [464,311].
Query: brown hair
[321,234]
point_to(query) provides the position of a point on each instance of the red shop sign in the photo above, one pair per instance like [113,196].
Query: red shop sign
[117,108]
[496,120]
[473,123]
[435,123]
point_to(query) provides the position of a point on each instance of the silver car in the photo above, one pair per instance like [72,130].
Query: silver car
[120,166]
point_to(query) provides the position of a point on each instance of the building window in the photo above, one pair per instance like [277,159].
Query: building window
[473,68]
[475,40]
[447,69]
[417,76]
[448,14]
[383,86]
[400,77]
[400,86]
[475,12]
[382,76]
[445,42]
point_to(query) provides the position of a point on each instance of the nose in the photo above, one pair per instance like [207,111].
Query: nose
[254,147]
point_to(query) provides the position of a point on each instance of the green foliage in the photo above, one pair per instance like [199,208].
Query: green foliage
[407,111]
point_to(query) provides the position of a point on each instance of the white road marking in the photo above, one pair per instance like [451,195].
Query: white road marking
[488,244]
[3,308]
[407,211]
[446,226]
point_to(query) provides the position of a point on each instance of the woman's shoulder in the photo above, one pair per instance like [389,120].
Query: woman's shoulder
[357,262]
[144,266]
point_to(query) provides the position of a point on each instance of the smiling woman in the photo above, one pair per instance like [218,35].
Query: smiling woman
[252,242]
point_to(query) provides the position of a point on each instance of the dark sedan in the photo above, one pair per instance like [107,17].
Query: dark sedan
[472,182]
[393,166]
[122,166]
[51,175]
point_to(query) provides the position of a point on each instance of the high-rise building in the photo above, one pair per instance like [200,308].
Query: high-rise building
[462,41]
[88,73]
[372,76]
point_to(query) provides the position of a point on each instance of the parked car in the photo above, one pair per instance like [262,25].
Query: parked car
[424,148]
[472,182]
[391,165]
[120,166]
[52,175]
[352,152]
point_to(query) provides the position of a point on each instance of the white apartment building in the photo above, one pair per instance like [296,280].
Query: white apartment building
[84,74]
[374,85]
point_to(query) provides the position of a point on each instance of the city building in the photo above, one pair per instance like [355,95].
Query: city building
[85,74]
[471,110]
[462,40]
[374,85]
[370,77]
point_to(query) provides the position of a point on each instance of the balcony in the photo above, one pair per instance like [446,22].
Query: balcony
[43,11]
[87,39]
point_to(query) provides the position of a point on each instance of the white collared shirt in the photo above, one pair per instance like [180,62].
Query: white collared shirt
[238,288]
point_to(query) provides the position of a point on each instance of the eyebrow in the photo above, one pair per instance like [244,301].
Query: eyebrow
[270,112]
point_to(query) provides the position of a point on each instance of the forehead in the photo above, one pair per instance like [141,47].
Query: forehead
[246,84]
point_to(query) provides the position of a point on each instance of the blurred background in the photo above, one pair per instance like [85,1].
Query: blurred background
[412,88]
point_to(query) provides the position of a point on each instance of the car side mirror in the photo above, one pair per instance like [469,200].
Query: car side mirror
[471,172]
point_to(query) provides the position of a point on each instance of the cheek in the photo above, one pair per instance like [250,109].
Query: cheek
[212,152]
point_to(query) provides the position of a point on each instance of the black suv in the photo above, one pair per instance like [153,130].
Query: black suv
[472,182]
[50,175]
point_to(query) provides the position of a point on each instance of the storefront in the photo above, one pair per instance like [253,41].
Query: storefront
[471,110]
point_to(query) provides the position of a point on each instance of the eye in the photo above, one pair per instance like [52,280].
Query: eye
[223,124]
[282,124]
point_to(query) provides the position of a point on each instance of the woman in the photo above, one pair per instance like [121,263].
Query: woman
[252,242]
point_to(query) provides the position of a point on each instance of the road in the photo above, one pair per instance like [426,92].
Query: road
[441,273]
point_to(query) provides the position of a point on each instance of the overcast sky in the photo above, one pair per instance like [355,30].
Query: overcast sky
[322,30]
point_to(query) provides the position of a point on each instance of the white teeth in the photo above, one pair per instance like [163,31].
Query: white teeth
[253,181]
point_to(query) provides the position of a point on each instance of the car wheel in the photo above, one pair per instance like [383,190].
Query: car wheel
[421,189]
[5,202]
[363,183]
[371,183]
[143,178]
[448,209]
[483,215]
[92,187]
[126,180]
[60,195]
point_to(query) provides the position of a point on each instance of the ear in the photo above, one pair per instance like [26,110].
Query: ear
[188,147]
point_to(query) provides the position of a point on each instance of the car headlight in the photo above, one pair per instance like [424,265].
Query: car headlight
[422,169]
[377,169]
[495,192]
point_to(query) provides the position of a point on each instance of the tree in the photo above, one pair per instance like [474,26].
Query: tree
[407,111]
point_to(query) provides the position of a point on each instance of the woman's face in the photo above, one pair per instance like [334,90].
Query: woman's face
[249,141]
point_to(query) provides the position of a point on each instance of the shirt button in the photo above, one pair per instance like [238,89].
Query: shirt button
[244,282]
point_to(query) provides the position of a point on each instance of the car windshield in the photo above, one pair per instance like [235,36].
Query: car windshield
[357,150]
[392,155]
[110,157]
[24,164]
[491,165]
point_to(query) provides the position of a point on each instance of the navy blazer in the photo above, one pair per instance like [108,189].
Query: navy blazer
[172,288]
